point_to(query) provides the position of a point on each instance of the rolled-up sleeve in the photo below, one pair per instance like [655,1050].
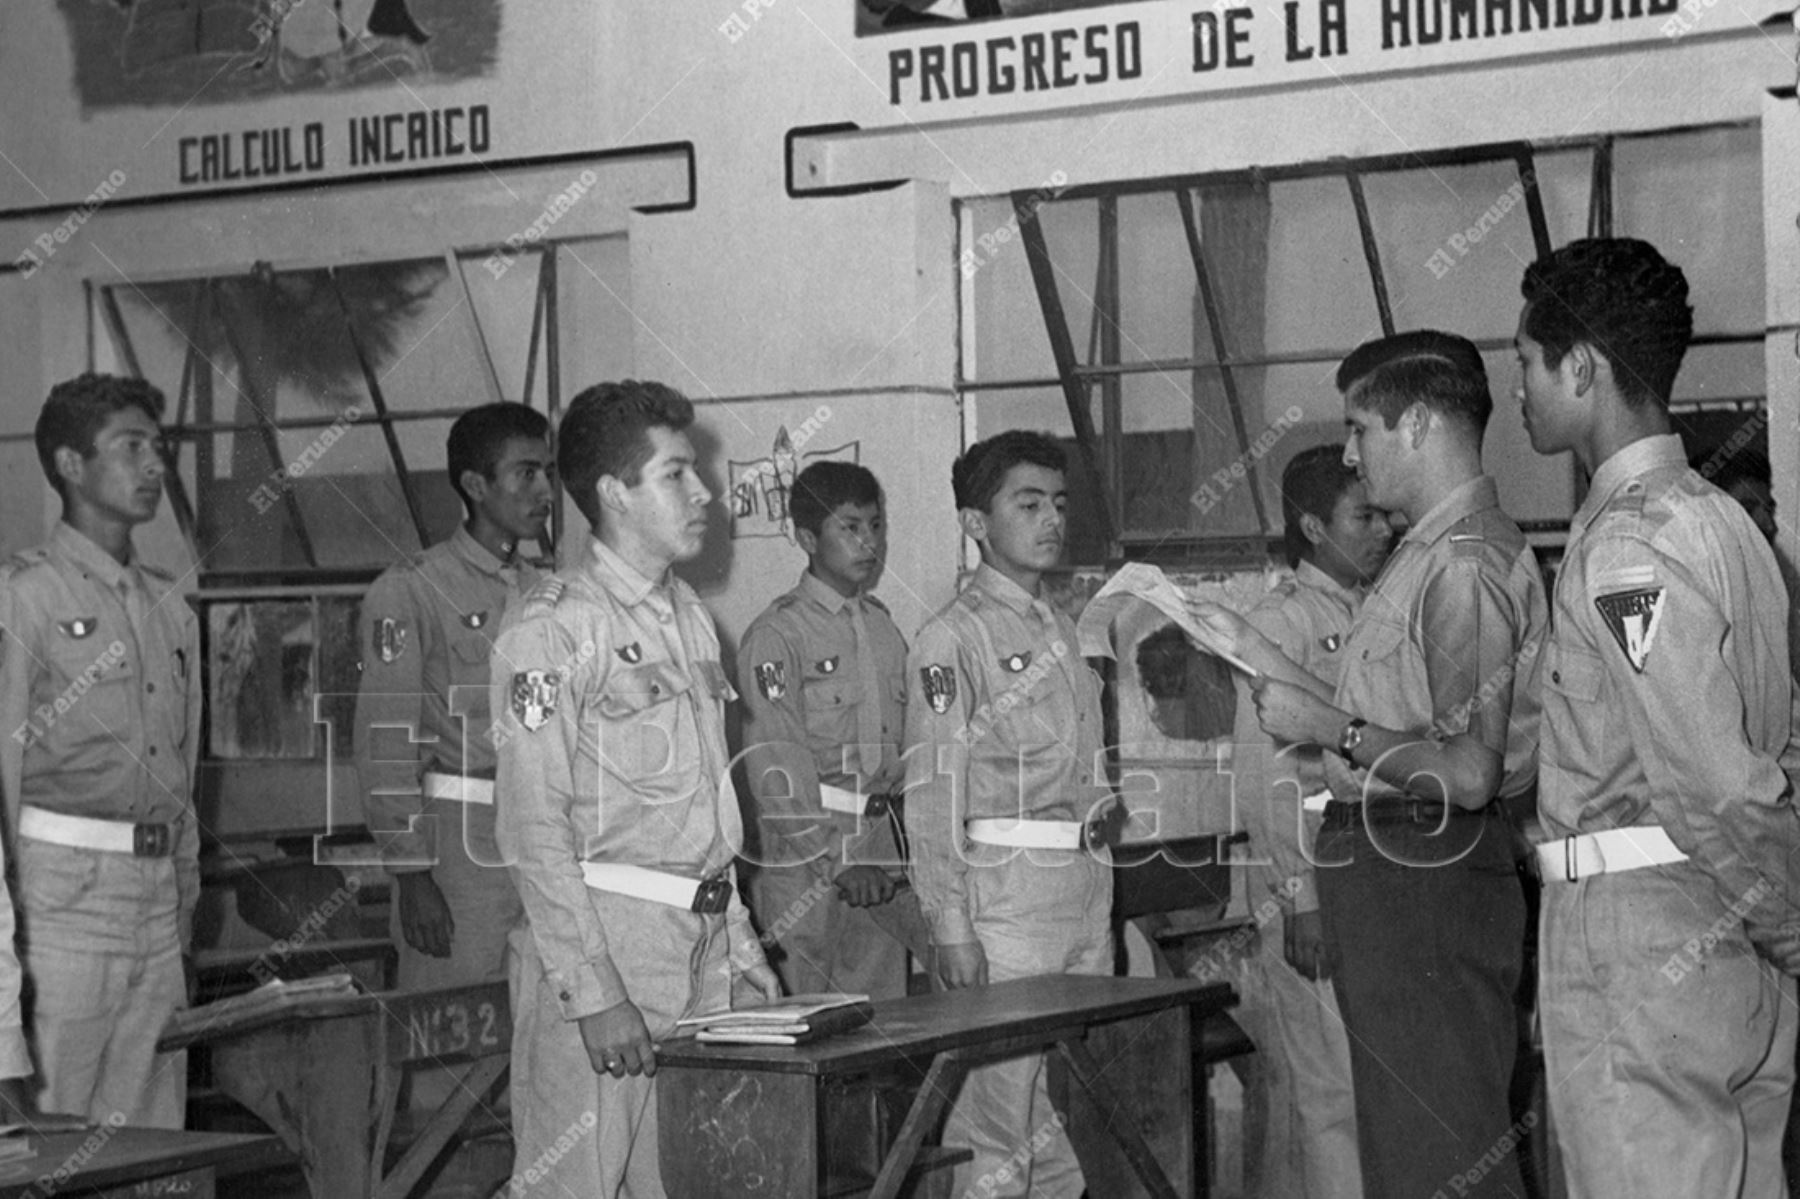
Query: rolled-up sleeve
[536,793]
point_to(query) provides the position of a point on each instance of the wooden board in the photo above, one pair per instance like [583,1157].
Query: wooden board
[146,1162]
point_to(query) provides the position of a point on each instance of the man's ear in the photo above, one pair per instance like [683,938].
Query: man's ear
[1417,419]
[474,485]
[68,461]
[809,540]
[1313,528]
[611,490]
[974,523]
[1582,364]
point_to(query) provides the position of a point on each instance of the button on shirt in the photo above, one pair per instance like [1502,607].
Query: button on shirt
[99,698]
[1666,689]
[1002,720]
[1448,640]
[428,626]
[797,669]
[1310,620]
[610,702]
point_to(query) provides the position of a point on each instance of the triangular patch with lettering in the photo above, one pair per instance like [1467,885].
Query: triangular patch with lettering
[1632,618]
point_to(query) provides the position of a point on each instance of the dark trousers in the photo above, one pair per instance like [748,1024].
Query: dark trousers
[1425,931]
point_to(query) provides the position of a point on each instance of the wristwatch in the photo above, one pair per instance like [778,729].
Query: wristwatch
[1351,737]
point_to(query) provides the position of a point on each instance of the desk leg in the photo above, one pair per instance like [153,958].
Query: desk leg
[476,1081]
[314,1085]
[941,1083]
[1131,1139]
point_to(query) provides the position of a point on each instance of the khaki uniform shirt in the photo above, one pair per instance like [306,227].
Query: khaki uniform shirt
[99,701]
[797,668]
[1309,618]
[428,626]
[1002,720]
[1666,689]
[1448,640]
[611,740]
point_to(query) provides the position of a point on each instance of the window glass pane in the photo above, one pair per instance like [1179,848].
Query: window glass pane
[505,297]
[1319,294]
[261,657]
[1010,341]
[1722,372]
[1454,241]
[1159,311]
[1693,196]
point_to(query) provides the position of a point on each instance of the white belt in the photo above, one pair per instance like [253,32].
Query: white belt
[458,787]
[841,799]
[641,883]
[108,836]
[1315,802]
[1608,852]
[1028,834]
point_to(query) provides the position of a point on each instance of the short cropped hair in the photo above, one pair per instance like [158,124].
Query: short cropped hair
[606,432]
[1621,297]
[1442,371]
[1312,483]
[823,486]
[479,436]
[977,475]
[77,409]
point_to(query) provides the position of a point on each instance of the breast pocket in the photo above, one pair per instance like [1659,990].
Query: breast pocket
[1572,680]
[829,702]
[470,654]
[648,737]
[1378,641]
[95,684]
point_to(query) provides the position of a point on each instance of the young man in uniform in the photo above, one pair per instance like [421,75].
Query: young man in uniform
[1433,720]
[424,749]
[100,706]
[615,804]
[1300,1118]
[1669,916]
[1007,805]
[823,671]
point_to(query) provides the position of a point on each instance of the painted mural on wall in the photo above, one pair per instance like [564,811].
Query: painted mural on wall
[131,53]
[760,486]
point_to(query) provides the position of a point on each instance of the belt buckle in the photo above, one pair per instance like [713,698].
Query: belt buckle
[152,840]
[711,897]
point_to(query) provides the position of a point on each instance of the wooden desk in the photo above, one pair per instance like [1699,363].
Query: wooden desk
[133,1163]
[326,1076]
[752,1121]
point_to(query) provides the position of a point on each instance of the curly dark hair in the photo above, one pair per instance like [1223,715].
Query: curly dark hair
[976,476]
[77,409]
[1442,371]
[1621,297]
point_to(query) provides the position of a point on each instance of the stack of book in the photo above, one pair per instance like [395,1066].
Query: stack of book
[252,1007]
[796,1020]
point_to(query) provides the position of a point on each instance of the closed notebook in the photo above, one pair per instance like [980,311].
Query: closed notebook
[794,1021]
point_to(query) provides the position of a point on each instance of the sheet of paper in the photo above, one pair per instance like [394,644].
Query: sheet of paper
[1142,581]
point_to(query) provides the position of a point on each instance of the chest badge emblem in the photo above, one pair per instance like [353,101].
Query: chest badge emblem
[475,620]
[631,654]
[1016,662]
[81,626]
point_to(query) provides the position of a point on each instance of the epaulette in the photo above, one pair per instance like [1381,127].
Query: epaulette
[26,559]
[784,601]
[544,597]
[877,602]
[157,573]
[1468,545]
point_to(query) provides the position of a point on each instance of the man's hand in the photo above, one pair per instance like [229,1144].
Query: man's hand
[425,919]
[618,1041]
[1294,714]
[756,986]
[864,886]
[1303,944]
[962,965]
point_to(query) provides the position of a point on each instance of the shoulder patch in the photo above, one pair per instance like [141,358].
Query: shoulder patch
[1632,617]
[940,686]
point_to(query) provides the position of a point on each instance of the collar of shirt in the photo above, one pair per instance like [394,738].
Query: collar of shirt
[822,593]
[479,556]
[623,581]
[1003,589]
[1308,575]
[78,548]
[1625,464]
[1477,495]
